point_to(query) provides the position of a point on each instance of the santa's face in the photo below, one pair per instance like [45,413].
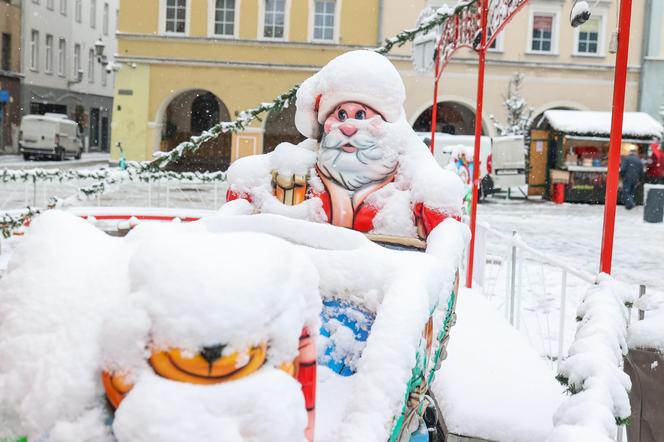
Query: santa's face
[351,150]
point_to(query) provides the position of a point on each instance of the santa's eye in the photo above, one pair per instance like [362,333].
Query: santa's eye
[342,115]
[360,115]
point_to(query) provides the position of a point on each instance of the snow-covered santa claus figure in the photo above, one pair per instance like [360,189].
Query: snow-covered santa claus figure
[362,165]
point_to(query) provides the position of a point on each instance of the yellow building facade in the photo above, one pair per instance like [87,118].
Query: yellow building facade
[190,63]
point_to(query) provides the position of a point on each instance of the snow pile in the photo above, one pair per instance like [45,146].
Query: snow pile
[236,411]
[493,385]
[63,278]
[635,124]
[649,332]
[170,285]
[593,371]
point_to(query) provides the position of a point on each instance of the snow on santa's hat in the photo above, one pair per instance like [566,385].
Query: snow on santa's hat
[360,76]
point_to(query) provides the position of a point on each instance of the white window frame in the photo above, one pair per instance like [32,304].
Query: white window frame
[48,53]
[93,14]
[50,5]
[106,18]
[162,19]
[312,23]
[78,11]
[544,9]
[499,42]
[212,8]
[601,38]
[91,66]
[62,57]
[34,50]
[77,59]
[261,21]
[63,7]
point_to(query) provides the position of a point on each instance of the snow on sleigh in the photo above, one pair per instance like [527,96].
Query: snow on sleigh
[197,332]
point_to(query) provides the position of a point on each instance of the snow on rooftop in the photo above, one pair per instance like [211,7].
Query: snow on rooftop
[635,124]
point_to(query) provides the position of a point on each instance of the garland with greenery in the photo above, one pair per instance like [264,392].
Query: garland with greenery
[10,223]
[244,118]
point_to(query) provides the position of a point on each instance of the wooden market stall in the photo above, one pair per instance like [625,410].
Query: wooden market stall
[569,152]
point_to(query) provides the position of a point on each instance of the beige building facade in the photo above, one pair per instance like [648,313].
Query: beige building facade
[563,67]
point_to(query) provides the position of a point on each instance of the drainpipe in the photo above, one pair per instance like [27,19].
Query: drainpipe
[381,13]
[645,49]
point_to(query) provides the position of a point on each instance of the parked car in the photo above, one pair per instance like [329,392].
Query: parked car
[502,159]
[52,135]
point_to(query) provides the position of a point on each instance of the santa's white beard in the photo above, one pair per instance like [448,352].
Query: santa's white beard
[371,163]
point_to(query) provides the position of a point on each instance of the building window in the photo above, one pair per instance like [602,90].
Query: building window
[78,10]
[36,2]
[273,25]
[62,56]
[63,7]
[34,50]
[542,33]
[105,24]
[497,44]
[224,17]
[48,67]
[93,14]
[588,39]
[49,4]
[77,60]
[6,52]
[103,76]
[324,19]
[176,16]
[91,66]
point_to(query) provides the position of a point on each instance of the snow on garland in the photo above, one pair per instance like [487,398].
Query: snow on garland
[162,159]
[593,370]
[10,223]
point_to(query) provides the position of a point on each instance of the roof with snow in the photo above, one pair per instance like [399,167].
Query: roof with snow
[635,124]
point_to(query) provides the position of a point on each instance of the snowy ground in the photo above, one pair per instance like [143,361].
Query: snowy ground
[88,159]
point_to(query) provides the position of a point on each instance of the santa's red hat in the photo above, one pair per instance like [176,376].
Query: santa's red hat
[361,76]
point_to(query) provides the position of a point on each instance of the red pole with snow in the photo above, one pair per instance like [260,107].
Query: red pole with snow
[478,134]
[620,78]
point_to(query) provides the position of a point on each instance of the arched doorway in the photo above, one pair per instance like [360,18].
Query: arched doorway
[190,113]
[452,118]
[280,127]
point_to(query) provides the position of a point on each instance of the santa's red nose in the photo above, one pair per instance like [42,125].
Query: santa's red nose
[348,129]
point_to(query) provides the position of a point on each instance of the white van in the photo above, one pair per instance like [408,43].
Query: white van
[502,159]
[51,134]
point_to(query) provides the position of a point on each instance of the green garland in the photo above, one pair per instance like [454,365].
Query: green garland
[162,159]
[10,223]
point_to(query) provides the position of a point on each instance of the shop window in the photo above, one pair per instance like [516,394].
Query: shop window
[176,16]
[224,18]
[588,37]
[542,33]
[274,19]
[324,11]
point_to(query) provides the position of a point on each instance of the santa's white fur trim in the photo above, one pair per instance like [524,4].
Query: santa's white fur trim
[361,76]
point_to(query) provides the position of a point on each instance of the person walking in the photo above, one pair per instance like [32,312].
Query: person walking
[631,172]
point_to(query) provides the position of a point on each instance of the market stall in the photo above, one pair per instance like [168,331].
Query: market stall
[571,148]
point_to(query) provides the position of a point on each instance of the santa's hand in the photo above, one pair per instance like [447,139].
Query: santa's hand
[290,189]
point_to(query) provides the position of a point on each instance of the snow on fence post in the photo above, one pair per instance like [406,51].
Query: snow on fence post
[513,281]
[561,326]
[593,370]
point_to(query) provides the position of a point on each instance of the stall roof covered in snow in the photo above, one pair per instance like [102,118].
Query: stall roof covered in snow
[635,124]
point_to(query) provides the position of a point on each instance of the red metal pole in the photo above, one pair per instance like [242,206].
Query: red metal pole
[434,107]
[476,153]
[620,78]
